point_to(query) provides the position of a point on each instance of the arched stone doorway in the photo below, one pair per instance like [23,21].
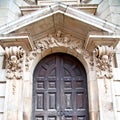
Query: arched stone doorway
[60,89]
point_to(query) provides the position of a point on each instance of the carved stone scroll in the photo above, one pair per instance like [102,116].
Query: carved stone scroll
[103,61]
[14,56]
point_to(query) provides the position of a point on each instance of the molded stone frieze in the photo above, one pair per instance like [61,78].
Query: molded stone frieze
[14,57]
[58,39]
[104,56]
[55,40]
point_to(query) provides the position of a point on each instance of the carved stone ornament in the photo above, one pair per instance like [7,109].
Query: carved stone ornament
[104,56]
[58,40]
[55,40]
[14,56]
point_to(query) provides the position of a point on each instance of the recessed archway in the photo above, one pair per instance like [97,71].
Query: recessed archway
[60,89]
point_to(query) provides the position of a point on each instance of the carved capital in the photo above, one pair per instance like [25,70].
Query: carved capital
[103,61]
[103,50]
[14,56]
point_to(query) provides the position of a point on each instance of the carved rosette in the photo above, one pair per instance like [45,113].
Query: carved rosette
[14,56]
[54,40]
[104,56]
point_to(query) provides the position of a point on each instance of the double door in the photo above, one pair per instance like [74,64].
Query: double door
[59,91]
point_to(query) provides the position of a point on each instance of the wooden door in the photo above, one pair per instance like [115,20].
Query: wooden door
[60,89]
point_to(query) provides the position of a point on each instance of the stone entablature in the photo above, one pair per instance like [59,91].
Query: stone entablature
[103,53]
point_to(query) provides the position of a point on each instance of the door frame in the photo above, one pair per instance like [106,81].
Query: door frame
[91,80]
[59,61]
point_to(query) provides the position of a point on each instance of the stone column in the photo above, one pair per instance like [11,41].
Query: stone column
[104,75]
[14,83]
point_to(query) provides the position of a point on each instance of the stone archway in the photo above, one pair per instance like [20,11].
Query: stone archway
[60,89]
[82,55]
[34,56]
[64,45]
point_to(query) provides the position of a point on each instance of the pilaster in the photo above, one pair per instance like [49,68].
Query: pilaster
[104,76]
[2,84]
[14,83]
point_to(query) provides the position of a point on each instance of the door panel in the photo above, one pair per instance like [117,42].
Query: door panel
[60,90]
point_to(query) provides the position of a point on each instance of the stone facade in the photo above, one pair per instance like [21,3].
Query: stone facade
[61,28]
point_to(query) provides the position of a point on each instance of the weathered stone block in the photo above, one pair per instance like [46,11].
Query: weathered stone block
[1,117]
[118,116]
[2,104]
[118,103]
[2,89]
[59,49]
[116,74]
[117,87]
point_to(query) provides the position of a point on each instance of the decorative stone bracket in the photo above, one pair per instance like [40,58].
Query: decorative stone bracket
[101,44]
[103,58]
[14,56]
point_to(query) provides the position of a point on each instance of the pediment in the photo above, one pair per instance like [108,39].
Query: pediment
[59,17]
[58,12]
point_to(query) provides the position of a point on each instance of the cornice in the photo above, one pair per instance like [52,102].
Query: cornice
[63,9]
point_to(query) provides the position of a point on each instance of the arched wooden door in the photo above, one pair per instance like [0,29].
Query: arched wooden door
[60,89]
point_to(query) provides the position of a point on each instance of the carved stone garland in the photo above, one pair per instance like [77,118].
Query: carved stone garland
[14,56]
[56,40]
[104,56]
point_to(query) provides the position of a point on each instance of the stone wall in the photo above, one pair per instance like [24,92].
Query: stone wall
[116,90]
[109,10]
[2,85]
[9,11]
[20,95]
[116,82]
[107,92]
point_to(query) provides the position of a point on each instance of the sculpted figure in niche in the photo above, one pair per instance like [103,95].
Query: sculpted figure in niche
[52,41]
[67,39]
[59,34]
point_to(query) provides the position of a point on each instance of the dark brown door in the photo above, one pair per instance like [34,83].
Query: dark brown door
[59,90]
